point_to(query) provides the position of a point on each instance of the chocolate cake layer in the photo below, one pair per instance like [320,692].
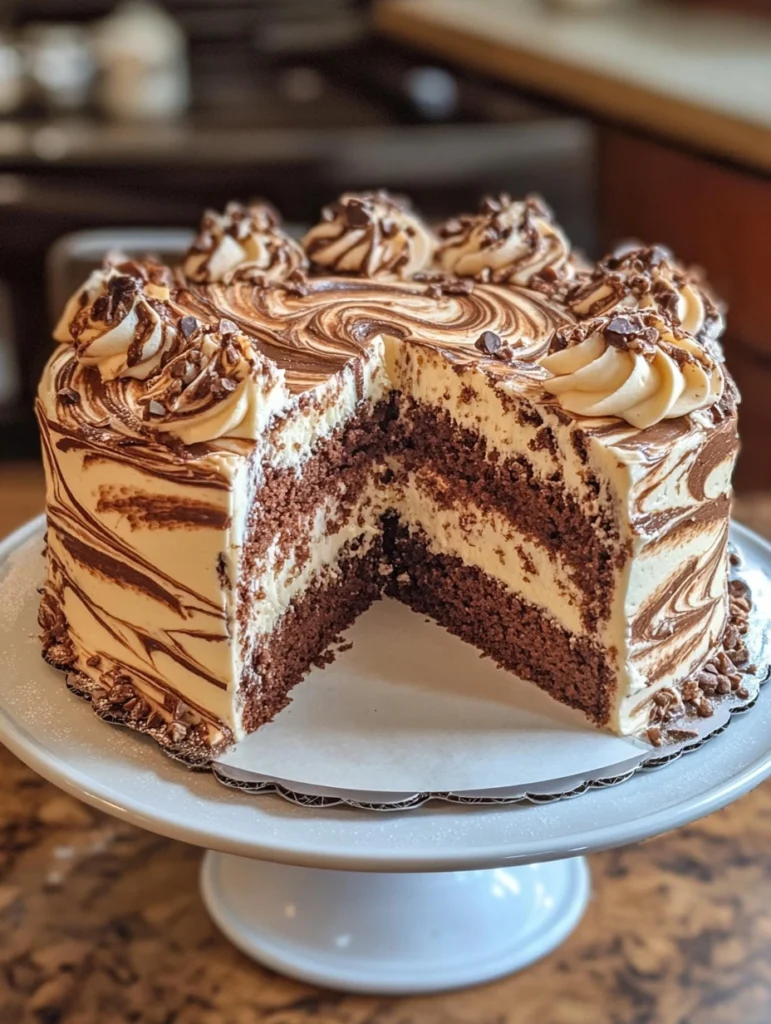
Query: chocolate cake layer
[540,508]
[306,630]
[517,635]
[288,497]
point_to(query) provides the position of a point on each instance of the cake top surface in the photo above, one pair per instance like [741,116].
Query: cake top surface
[311,330]
[214,349]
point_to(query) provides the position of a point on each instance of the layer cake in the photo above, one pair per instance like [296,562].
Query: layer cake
[245,451]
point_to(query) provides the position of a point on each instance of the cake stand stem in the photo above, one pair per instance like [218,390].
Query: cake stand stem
[394,934]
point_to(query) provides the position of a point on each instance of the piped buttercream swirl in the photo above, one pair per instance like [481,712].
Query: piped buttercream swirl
[217,386]
[635,366]
[649,278]
[119,319]
[243,242]
[507,242]
[370,233]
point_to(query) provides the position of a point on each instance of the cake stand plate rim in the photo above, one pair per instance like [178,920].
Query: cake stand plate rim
[438,837]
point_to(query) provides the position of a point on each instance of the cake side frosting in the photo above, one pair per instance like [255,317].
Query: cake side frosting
[138,538]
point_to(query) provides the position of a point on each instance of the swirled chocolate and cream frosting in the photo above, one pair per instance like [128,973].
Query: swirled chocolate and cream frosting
[243,242]
[633,365]
[245,451]
[507,242]
[118,320]
[649,278]
[373,234]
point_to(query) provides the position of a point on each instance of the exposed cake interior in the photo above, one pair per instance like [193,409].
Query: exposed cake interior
[480,518]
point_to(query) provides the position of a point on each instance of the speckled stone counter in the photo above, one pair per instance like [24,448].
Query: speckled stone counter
[102,923]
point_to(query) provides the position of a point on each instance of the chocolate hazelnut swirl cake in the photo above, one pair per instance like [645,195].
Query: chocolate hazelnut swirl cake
[245,451]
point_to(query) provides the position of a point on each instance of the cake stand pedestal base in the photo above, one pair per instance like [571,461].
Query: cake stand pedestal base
[394,934]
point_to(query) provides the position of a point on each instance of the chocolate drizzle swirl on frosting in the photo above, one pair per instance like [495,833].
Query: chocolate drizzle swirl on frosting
[373,234]
[120,319]
[217,351]
[649,278]
[313,335]
[243,242]
[507,242]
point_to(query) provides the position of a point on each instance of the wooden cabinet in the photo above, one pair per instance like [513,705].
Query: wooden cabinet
[720,217]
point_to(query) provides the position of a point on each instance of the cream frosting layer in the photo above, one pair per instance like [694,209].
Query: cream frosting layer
[281,577]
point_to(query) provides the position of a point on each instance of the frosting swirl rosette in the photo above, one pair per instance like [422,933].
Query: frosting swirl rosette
[119,319]
[649,278]
[507,242]
[636,366]
[243,242]
[373,234]
[217,386]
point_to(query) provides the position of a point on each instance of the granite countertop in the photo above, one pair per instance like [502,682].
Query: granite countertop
[102,923]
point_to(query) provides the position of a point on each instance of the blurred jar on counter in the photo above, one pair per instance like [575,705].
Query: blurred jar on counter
[143,70]
[59,65]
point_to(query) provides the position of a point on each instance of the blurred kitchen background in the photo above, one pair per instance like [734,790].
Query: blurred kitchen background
[633,119]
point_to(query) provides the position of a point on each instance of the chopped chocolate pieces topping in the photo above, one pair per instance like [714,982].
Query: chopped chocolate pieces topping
[704,709]
[357,214]
[494,204]
[296,284]
[458,286]
[451,227]
[68,396]
[176,732]
[654,735]
[658,254]
[227,327]
[548,275]
[623,331]
[439,284]
[488,343]
[188,325]
[559,341]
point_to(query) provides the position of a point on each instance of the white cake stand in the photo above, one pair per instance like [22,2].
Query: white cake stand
[432,899]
